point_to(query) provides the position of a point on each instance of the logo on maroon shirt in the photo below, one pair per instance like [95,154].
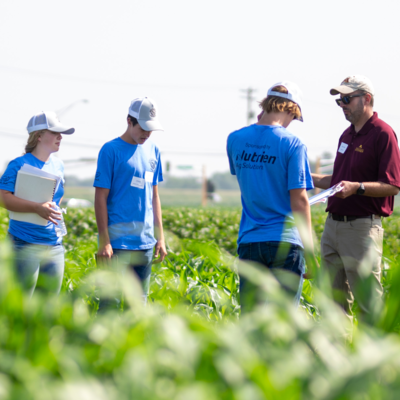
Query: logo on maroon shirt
[359,149]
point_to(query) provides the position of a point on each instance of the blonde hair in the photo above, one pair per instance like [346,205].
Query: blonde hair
[279,104]
[33,140]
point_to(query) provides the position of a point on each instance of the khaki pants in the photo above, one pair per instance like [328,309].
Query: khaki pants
[352,253]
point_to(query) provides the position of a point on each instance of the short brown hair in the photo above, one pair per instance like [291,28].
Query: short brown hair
[133,120]
[33,140]
[279,104]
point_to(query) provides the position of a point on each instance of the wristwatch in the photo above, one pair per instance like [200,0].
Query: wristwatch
[361,189]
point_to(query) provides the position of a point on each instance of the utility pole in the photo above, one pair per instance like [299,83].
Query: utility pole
[249,97]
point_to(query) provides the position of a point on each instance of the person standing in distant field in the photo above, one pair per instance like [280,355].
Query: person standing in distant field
[39,250]
[273,172]
[127,203]
[367,164]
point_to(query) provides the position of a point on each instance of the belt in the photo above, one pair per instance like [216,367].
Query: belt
[346,218]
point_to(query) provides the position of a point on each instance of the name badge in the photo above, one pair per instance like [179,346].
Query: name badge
[137,182]
[148,176]
[343,147]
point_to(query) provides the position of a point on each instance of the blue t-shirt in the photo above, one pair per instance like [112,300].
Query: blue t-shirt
[130,172]
[268,162]
[33,233]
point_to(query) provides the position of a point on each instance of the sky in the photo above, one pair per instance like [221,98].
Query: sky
[193,58]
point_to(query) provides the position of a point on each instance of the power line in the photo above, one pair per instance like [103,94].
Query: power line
[98,146]
[18,135]
[66,143]
[113,82]
[66,108]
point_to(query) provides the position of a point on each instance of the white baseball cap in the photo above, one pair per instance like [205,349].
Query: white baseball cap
[353,83]
[294,94]
[48,120]
[144,110]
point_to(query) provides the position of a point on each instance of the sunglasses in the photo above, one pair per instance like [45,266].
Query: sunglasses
[347,99]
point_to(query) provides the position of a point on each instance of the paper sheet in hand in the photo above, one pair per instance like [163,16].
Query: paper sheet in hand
[39,172]
[321,197]
[34,186]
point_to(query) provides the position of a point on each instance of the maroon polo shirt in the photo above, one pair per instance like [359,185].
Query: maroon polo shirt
[371,155]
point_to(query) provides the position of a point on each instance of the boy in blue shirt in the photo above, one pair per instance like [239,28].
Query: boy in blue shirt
[127,203]
[273,172]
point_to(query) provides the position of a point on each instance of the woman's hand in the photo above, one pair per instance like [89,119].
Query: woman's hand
[46,211]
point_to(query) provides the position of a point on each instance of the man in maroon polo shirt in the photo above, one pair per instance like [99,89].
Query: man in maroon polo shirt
[368,165]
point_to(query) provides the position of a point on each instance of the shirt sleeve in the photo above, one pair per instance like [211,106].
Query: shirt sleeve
[7,181]
[299,174]
[389,159]
[105,167]
[158,175]
[231,163]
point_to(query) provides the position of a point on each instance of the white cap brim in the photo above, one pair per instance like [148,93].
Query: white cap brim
[150,125]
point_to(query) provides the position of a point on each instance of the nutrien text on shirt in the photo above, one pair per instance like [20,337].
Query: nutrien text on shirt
[268,162]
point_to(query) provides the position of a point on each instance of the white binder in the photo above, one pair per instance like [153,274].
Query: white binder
[35,185]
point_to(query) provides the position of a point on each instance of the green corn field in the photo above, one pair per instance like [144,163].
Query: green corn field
[190,342]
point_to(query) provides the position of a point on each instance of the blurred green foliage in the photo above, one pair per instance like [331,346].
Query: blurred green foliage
[189,342]
[218,225]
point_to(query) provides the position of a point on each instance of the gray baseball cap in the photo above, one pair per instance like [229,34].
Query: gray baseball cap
[48,120]
[353,83]
[144,110]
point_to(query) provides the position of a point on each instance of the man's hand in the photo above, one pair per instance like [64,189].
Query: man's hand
[105,251]
[104,255]
[161,252]
[46,211]
[349,188]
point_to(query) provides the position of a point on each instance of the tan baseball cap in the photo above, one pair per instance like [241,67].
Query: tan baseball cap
[353,83]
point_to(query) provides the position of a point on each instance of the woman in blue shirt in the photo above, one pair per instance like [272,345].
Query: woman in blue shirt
[39,250]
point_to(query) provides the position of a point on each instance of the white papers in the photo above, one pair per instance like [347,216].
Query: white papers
[321,197]
[39,172]
[34,185]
